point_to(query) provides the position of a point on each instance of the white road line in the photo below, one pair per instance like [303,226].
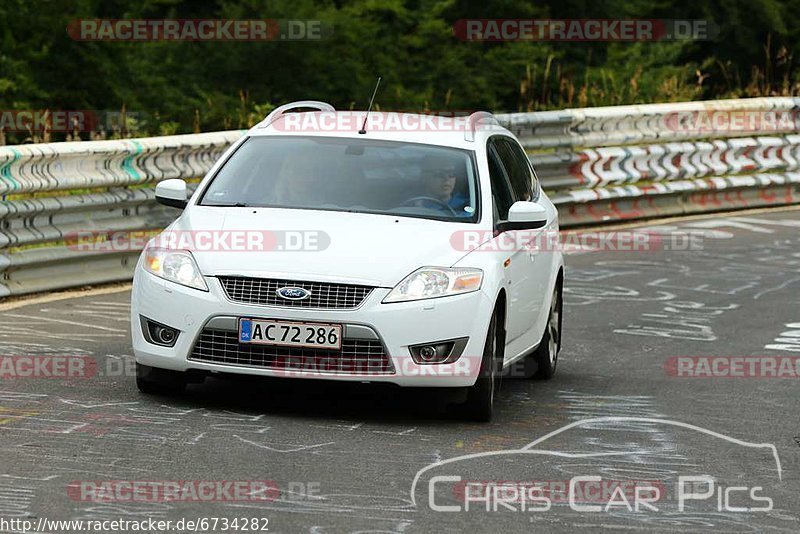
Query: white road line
[78,310]
[18,302]
[62,321]
[24,331]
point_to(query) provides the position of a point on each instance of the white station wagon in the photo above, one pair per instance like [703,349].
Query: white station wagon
[343,253]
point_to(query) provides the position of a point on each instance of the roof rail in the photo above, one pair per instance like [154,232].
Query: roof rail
[477,119]
[280,110]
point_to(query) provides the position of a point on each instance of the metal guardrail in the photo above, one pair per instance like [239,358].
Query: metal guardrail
[599,165]
[612,164]
[51,194]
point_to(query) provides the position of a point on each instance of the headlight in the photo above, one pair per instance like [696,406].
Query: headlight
[432,282]
[174,265]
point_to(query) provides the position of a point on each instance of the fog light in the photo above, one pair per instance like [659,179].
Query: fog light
[428,352]
[159,334]
[438,351]
[164,335]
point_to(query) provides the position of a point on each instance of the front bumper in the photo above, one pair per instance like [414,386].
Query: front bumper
[396,325]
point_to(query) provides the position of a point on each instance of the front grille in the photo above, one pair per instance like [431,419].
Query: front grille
[324,295]
[357,356]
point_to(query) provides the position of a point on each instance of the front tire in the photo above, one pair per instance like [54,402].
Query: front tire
[153,380]
[480,397]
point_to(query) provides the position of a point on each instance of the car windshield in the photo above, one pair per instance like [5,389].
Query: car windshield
[355,175]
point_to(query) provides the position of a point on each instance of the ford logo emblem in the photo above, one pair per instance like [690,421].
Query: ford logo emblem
[293,293]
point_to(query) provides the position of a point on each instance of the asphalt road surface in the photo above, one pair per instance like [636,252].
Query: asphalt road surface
[626,405]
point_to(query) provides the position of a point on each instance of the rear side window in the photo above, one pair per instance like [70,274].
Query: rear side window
[518,168]
[502,196]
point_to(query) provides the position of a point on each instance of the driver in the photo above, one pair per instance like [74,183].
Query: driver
[440,175]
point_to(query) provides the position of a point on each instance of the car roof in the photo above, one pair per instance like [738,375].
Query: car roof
[466,132]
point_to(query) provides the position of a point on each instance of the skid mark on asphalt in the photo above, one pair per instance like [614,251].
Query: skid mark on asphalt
[26,330]
[16,348]
[92,313]
[284,447]
[17,396]
[779,287]
[688,286]
[129,510]
[16,500]
[656,452]
[110,304]
[685,320]
[81,323]
[41,318]
[360,506]
[121,422]
[9,415]
[707,230]
[96,404]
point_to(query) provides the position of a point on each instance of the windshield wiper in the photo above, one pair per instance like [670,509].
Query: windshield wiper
[235,205]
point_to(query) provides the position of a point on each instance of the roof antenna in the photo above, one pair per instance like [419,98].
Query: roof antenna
[363,129]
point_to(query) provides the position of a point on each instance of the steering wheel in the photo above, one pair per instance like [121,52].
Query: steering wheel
[440,203]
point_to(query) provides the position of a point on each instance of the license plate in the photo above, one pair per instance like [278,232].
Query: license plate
[290,334]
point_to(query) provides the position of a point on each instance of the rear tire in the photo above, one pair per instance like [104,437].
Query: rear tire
[546,354]
[480,397]
[153,380]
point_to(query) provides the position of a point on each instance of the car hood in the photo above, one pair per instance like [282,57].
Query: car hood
[360,248]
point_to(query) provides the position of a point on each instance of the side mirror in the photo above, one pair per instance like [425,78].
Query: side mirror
[172,193]
[524,215]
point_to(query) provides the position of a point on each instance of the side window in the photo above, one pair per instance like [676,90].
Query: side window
[501,192]
[518,167]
